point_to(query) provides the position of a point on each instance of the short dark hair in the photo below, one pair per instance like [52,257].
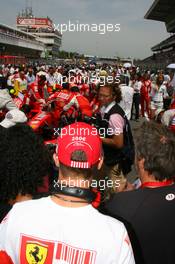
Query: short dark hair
[75,89]
[25,162]
[78,155]
[156,145]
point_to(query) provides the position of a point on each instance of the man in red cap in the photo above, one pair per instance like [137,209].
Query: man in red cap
[64,227]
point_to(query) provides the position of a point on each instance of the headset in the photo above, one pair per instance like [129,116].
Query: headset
[87,194]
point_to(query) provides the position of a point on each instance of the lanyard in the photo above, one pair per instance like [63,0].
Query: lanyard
[157,184]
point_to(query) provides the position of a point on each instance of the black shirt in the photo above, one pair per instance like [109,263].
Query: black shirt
[149,216]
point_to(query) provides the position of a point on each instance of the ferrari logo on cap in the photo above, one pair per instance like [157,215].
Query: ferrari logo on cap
[36,253]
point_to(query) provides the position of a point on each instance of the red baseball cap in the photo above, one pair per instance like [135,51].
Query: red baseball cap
[79,136]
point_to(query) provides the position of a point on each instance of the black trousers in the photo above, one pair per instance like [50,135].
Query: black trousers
[135,104]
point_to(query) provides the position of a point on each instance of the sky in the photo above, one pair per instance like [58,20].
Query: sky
[135,38]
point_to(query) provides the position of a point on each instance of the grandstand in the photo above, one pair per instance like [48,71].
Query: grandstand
[17,44]
[163,10]
[164,52]
[107,60]
[42,29]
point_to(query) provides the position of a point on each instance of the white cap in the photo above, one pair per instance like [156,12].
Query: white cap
[13,117]
[41,73]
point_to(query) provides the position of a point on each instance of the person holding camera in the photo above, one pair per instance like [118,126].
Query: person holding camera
[117,140]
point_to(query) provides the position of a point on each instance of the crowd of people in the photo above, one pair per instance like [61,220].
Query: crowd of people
[150,90]
[75,203]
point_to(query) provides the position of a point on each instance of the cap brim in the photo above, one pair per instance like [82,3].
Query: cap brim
[7,123]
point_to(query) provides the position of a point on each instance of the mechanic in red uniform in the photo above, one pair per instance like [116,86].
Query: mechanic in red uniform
[144,94]
[80,103]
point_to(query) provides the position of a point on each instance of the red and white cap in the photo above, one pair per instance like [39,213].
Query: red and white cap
[79,136]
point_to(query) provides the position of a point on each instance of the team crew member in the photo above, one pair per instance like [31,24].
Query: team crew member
[64,227]
[33,95]
[80,103]
[144,95]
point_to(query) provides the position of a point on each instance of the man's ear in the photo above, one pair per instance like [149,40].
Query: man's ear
[100,163]
[55,157]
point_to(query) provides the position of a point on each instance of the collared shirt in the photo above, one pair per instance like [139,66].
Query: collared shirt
[30,78]
[116,122]
[106,109]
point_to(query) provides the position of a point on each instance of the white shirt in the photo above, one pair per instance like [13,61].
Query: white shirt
[53,79]
[167,78]
[156,94]
[30,78]
[58,77]
[172,83]
[136,86]
[127,99]
[43,230]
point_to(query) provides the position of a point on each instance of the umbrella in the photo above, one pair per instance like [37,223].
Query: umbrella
[171,66]
[127,65]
